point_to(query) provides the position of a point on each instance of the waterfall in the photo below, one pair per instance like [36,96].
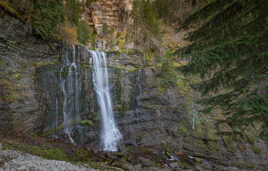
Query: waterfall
[71,89]
[110,134]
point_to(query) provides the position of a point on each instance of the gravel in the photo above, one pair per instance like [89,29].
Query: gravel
[18,161]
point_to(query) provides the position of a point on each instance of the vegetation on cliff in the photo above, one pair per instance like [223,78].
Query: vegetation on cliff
[51,18]
[229,52]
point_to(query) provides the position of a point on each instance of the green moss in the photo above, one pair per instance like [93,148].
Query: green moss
[228,143]
[16,76]
[204,130]
[198,160]
[2,64]
[42,64]
[188,140]
[256,149]
[183,130]
[12,97]
[148,106]
[160,87]
[167,153]
[251,166]
[132,69]
[200,145]
[127,68]
[119,108]
[181,165]
[45,152]
[158,165]
[82,154]
[88,122]
[85,66]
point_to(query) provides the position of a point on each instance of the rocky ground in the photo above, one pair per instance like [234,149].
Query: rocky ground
[41,154]
[11,160]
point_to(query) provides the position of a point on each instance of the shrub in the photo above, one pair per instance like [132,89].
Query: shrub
[168,72]
[84,32]
[68,33]
[145,13]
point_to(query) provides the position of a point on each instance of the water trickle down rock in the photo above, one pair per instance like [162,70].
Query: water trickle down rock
[71,89]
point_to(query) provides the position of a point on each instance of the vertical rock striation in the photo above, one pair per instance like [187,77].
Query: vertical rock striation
[110,12]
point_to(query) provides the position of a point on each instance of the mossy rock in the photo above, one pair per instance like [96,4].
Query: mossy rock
[2,64]
[81,154]
[251,166]
[200,145]
[213,146]
[12,97]
[241,147]
[198,160]
[228,143]
[43,64]
[183,130]
[167,153]
[87,122]
[205,130]
[256,150]
[52,131]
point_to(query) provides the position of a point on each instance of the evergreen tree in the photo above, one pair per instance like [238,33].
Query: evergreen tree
[230,53]
[46,16]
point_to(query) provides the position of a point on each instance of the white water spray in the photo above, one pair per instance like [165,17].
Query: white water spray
[110,133]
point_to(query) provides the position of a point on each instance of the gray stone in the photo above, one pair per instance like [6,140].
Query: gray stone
[130,45]
[174,165]
[146,162]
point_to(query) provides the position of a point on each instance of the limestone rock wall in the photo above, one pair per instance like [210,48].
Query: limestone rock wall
[110,12]
[20,108]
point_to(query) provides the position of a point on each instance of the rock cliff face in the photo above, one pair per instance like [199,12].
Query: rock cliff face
[141,110]
[20,107]
[111,12]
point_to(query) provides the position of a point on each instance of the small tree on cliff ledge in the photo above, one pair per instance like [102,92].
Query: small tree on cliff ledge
[230,53]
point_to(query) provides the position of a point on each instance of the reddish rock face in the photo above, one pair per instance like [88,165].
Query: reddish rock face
[110,12]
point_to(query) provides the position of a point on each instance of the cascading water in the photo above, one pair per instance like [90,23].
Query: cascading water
[110,133]
[71,88]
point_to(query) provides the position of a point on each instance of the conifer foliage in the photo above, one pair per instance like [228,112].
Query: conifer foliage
[230,53]
[46,17]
